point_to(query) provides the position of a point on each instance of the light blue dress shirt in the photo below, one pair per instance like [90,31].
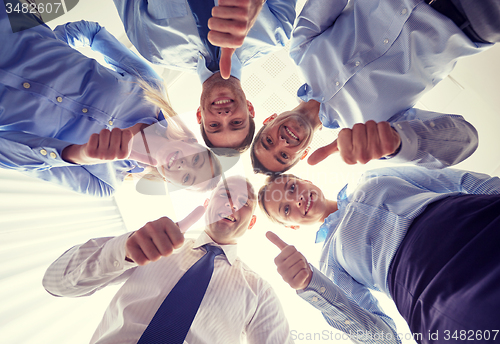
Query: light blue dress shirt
[363,235]
[373,59]
[165,33]
[52,96]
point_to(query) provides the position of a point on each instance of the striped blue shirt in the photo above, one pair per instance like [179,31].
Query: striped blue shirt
[362,237]
[373,60]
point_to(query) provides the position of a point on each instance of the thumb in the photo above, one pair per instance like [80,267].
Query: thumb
[322,153]
[225,62]
[276,240]
[191,219]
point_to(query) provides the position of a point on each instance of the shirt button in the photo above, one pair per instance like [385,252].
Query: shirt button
[322,290]
[399,126]
[314,299]
[85,110]
[43,152]
[201,56]
[386,41]
[432,124]
[347,322]
[59,99]
[403,12]
[337,83]
[110,122]
[323,99]
[116,263]
[358,63]
[53,155]
[26,85]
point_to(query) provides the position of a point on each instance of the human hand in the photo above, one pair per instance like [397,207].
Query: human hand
[229,25]
[292,265]
[105,146]
[362,143]
[159,238]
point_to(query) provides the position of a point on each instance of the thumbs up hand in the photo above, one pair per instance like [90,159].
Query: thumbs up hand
[159,238]
[292,265]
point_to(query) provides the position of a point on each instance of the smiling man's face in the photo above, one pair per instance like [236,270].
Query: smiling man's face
[230,211]
[224,112]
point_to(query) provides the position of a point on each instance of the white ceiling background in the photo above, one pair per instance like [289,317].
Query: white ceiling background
[472,90]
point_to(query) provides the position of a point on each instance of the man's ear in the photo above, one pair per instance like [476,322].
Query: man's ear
[294,227]
[251,110]
[198,115]
[270,118]
[252,221]
[304,154]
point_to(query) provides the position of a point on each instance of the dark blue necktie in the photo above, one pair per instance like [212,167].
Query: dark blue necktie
[202,11]
[173,319]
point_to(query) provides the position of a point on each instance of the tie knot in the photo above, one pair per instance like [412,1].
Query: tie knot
[214,249]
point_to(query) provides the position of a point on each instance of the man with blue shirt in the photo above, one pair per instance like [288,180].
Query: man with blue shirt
[373,60]
[174,34]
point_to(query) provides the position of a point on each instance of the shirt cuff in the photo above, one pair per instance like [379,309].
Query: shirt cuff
[115,250]
[409,142]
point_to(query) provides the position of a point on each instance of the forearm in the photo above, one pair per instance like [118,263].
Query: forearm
[434,140]
[346,315]
[86,268]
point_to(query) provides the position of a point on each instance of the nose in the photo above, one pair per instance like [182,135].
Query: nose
[300,201]
[283,141]
[231,205]
[181,164]
[224,112]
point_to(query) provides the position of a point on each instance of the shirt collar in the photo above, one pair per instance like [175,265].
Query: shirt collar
[230,251]
[204,73]
[328,227]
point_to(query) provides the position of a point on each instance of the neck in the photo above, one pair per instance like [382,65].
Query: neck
[310,110]
[331,207]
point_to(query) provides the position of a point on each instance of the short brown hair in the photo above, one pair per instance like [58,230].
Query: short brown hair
[240,149]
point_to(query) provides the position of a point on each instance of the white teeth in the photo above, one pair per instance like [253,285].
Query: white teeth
[308,205]
[230,217]
[172,159]
[291,134]
[221,102]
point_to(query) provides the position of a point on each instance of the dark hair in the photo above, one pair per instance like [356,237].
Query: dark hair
[257,165]
[262,193]
[240,149]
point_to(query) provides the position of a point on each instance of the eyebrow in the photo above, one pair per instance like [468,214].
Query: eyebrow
[267,149]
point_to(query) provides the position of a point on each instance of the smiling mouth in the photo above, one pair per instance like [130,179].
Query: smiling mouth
[172,159]
[222,101]
[229,217]
[309,204]
[291,133]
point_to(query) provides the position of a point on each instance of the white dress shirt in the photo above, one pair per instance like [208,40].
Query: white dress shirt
[237,304]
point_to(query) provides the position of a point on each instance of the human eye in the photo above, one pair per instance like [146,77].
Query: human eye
[213,125]
[286,210]
[269,141]
[284,155]
[185,179]
[237,122]
[292,188]
[196,158]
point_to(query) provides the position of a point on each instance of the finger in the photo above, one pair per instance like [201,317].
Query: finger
[91,146]
[115,141]
[103,145]
[389,138]
[322,153]
[125,144]
[225,62]
[345,146]
[225,40]
[146,245]
[276,240]
[373,140]
[359,144]
[191,219]
[226,12]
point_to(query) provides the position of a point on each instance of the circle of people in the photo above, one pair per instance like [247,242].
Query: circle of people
[425,235]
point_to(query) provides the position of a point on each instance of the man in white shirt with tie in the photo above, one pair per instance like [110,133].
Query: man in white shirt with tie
[237,303]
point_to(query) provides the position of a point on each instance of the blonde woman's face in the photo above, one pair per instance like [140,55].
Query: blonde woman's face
[185,164]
